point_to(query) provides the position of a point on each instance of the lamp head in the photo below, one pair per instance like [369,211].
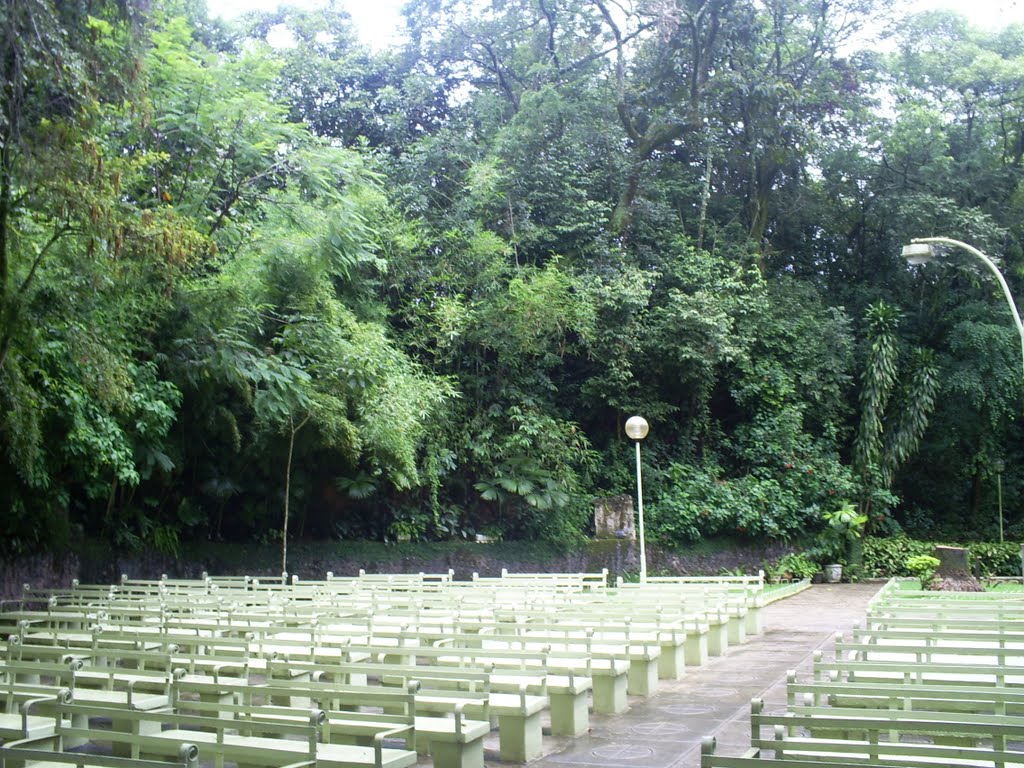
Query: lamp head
[918,253]
[637,427]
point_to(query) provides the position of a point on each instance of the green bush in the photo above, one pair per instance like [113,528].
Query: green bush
[923,567]
[994,559]
[693,502]
[885,558]
[795,565]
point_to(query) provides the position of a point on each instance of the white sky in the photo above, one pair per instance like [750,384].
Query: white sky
[377,20]
[988,14]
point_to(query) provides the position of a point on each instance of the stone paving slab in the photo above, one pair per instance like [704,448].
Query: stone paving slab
[665,730]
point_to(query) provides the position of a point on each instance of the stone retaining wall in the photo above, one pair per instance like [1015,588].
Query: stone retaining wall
[619,556]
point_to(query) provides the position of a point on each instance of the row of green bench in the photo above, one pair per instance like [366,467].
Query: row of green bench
[507,671]
[942,689]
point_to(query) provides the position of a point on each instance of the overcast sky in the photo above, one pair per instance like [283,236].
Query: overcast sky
[378,19]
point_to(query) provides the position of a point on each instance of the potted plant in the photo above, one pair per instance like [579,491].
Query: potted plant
[843,530]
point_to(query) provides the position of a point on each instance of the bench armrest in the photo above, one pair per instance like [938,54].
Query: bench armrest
[458,720]
[63,696]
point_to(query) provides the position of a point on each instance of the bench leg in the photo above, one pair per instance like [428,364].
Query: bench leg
[718,639]
[642,678]
[696,649]
[570,714]
[519,737]
[610,694]
[303,702]
[135,727]
[214,698]
[449,754]
[737,631]
[755,621]
[423,743]
[78,721]
[672,662]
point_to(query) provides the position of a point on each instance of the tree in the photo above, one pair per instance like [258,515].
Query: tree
[887,438]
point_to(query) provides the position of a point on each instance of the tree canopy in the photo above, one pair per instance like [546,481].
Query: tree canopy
[259,281]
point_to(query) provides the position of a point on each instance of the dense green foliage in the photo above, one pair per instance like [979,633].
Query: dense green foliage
[260,293]
[896,556]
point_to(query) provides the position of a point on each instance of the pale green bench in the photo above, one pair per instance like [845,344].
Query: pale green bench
[918,672]
[833,733]
[981,655]
[520,734]
[641,658]
[843,755]
[454,742]
[570,674]
[1001,634]
[47,680]
[20,721]
[566,677]
[44,753]
[518,714]
[668,633]
[244,741]
[986,699]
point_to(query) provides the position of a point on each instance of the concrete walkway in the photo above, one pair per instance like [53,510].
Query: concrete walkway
[665,730]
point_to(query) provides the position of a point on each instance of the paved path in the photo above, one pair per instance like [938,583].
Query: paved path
[665,731]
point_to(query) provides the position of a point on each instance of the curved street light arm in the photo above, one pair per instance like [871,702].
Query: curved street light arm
[995,271]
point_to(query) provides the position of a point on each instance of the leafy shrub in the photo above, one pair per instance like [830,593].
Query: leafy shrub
[885,558]
[995,559]
[844,527]
[693,502]
[923,567]
[795,565]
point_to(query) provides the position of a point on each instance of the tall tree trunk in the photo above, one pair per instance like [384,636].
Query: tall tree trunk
[293,430]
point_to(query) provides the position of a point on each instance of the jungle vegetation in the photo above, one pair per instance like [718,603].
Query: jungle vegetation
[259,279]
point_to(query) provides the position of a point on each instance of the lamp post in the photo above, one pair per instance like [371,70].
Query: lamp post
[637,428]
[922,250]
[1000,466]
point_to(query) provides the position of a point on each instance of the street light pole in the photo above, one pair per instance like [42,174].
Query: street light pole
[921,251]
[637,428]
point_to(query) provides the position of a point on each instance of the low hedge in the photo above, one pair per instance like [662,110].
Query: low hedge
[885,558]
